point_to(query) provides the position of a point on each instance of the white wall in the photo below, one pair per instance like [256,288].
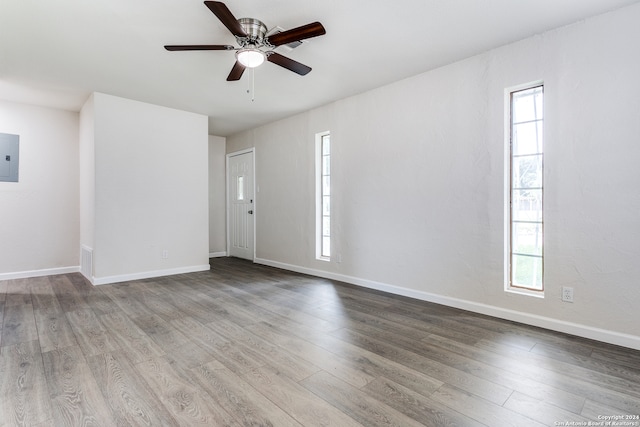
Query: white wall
[151,190]
[217,196]
[87,168]
[418,181]
[39,215]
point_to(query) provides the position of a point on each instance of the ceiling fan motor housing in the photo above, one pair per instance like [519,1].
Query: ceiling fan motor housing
[255,30]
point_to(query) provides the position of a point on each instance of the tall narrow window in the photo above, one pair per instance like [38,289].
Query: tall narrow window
[323,154]
[525,240]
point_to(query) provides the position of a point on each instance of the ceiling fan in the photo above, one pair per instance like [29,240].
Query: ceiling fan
[255,45]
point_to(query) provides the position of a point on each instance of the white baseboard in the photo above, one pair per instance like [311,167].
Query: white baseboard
[217,254]
[39,273]
[147,274]
[611,337]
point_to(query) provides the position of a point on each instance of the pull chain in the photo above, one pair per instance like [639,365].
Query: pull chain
[251,85]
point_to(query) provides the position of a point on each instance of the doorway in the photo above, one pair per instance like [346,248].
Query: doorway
[240,204]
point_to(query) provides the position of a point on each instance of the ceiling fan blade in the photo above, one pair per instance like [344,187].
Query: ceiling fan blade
[199,47]
[288,63]
[236,72]
[296,34]
[226,17]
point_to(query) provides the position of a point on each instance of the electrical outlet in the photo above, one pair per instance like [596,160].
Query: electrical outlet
[165,254]
[567,294]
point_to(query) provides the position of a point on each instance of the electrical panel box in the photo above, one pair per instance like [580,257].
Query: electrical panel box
[9,157]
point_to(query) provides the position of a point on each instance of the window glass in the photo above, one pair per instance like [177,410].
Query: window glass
[526,238]
[240,188]
[324,196]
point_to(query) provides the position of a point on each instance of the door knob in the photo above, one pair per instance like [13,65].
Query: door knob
[250,212]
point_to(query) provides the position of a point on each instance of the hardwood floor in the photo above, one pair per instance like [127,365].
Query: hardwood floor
[248,345]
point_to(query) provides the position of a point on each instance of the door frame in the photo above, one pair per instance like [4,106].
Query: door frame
[251,150]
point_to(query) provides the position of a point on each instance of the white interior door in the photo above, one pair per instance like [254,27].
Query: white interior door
[240,203]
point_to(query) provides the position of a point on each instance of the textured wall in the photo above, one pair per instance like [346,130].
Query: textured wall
[151,189]
[217,196]
[39,215]
[418,181]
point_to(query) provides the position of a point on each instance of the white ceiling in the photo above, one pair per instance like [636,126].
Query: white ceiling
[56,52]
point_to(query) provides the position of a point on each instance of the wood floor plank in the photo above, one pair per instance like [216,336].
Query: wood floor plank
[23,387]
[286,295]
[54,331]
[273,298]
[101,303]
[554,374]
[3,290]
[160,331]
[416,405]
[191,355]
[1,320]
[355,318]
[235,356]
[441,371]
[513,331]
[278,357]
[184,400]
[91,336]
[244,313]
[425,348]
[302,404]
[428,319]
[131,400]
[193,308]
[124,289]
[174,343]
[523,374]
[19,324]
[128,301]
[218,309]
[596,369]
[129,338]
[618,356]
[82,285]
[315,291]
[75,395]
[234,395]
[68,296]
[541,411]
[401,335]
[293,294]
[316,355]
[378,366]
[482,410]
[198,333]
[160,305]
[18,292]
[47,423]
[355,403]
[274,310]
[42,294]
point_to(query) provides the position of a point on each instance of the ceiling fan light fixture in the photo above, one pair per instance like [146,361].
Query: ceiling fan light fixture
[250,57]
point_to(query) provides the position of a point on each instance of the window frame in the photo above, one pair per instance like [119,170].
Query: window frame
[323,253]
[509,284]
